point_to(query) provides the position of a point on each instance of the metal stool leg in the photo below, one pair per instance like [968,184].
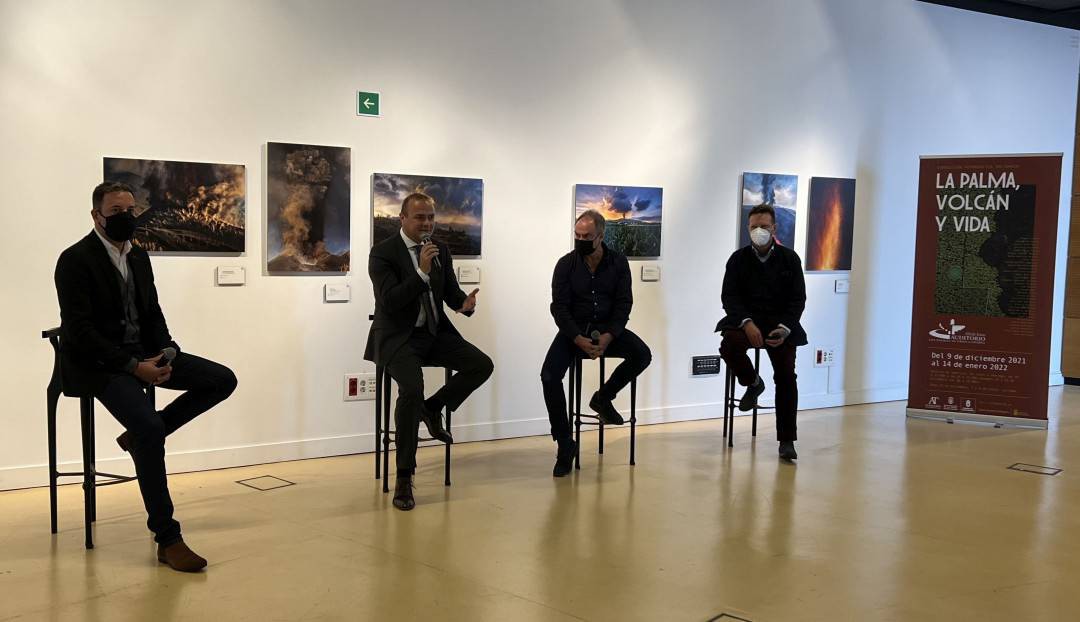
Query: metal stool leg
[730,410]
[93,464]
[570,396]
[386,433]
[757,367]
[578,364]
[449,413]
[601,421]
[51,404]
[378,421]
[633,418]
[86,413]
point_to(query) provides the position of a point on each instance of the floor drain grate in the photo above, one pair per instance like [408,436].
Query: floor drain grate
[1033,468]
[265,482]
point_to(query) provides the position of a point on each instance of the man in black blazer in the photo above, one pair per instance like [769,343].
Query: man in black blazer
[113,340]
[413,276]
[764,295]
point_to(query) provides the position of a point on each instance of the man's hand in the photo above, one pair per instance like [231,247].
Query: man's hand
[587,346]
[428,253]
[605,341]
[470,302]
[776,337]
[148,371]
[753,333]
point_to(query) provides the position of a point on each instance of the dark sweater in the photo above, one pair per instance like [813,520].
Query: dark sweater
[770,293]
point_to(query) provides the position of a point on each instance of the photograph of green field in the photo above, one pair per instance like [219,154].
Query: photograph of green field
[632,216]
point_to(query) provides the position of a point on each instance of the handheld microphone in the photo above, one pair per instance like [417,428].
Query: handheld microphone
[167,356]
[426,239]
[595,336]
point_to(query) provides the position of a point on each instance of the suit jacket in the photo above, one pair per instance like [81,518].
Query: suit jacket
[769,293]
[398,288]
[92,314]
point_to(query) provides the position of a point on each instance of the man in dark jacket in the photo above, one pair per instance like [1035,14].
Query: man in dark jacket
[114,343]
[591,298]
[413,276]
[764,295]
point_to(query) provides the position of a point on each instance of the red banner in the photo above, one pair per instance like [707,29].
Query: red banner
[984,285]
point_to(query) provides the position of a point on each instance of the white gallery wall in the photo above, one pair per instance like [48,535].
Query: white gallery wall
[533,97]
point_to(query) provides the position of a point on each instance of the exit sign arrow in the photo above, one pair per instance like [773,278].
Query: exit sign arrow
[367,104]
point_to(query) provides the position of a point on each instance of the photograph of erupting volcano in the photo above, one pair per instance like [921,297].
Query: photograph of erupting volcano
[831,228]
[459,208]
[185,207]
[307,208]
[780,191]
[632,216]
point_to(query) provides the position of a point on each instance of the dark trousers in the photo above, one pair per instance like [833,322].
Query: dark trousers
[627,346]
[733,349]
[445,349]
[205,383]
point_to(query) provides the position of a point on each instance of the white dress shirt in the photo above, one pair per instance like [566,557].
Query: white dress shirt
[118,256]
[410,244]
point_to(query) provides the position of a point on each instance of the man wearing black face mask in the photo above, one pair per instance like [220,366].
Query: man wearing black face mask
[590,294]
[114,342]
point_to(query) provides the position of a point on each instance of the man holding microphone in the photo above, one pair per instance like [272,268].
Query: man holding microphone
[413,277]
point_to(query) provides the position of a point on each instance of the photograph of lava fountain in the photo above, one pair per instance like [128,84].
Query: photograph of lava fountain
[184,207]
[831,225]
[307,203]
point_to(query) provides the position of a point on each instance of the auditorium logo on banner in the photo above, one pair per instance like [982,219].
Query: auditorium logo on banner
[956,333]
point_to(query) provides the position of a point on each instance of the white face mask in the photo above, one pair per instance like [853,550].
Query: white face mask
[760,236]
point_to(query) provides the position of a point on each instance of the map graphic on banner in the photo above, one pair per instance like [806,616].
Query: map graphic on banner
[982,304]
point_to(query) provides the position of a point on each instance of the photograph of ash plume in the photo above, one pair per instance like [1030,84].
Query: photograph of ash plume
[459,208]
[632,216]
[185,207]
[831,228]
[779,191]
[307,206]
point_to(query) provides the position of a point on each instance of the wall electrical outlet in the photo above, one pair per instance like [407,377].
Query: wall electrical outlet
[359,387]
[705,365]
[824,357]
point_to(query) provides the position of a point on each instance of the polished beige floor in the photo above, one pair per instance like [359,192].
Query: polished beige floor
[883,518]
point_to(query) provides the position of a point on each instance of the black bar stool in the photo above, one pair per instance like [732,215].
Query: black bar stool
[577,419]
[384,434]
[92,478]
[731,403]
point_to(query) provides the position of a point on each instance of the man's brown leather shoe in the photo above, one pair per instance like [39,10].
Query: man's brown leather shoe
[403,497]
[179,557]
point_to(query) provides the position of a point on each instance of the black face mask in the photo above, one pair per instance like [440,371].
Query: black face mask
[584,247]
[120,227]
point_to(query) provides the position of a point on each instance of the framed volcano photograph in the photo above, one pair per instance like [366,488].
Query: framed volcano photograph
[779,191]
[459,208]
[830,224]
[633,216]
[185,207]
[307,208]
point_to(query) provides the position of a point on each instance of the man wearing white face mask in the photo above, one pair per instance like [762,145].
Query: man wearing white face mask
[764,295]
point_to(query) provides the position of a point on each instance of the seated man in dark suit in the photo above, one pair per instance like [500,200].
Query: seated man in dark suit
[113,338]
[591,298]
[413,276]
[764,295]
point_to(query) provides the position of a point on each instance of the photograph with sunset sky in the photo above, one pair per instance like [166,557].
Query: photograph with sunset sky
[831,228]
[779,191]
[459,208]
[633,216]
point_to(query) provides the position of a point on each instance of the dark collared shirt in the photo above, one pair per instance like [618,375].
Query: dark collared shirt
[583,301]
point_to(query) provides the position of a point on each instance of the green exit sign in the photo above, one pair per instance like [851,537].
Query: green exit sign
[367,104]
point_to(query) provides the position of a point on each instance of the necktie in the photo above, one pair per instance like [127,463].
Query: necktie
[430,320]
